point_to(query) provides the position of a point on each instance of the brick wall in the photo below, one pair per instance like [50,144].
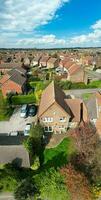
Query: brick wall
[10,86]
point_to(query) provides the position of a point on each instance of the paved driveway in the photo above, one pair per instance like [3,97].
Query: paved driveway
[16,123]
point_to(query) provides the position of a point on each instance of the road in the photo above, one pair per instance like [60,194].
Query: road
[6,196]
[79,92]
[16,123]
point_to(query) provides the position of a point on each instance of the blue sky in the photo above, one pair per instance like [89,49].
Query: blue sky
[50,23]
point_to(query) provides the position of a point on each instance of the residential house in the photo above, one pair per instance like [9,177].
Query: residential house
[75,72]
[98,61]
[52,63]
[57,112]
[43,61]
[93,105]
[14,81]
[5,67]
[35,61]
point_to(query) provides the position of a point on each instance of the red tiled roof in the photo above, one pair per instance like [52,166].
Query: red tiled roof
[74,68]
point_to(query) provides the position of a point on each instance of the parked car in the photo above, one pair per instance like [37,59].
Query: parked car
[32,111]
[24,110]
[27,129]
[13,133]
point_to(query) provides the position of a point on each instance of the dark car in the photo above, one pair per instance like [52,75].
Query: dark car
[32,110]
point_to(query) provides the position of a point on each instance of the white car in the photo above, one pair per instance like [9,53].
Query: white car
[27,129]
[24,111]
[13,133]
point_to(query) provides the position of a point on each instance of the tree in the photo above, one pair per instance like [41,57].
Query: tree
[26,190]
[51,185]
[88,146]
[77,183]
[33,144]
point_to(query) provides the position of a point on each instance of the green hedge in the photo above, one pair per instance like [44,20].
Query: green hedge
[68,85]
[23,99]
[39,85]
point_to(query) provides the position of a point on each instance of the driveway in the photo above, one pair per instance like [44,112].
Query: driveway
[16,123]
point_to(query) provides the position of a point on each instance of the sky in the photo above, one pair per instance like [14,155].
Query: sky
[50,23]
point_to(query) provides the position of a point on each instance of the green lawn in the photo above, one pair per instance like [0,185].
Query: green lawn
[5,110]
[95,84]
[60,155]
[87,96]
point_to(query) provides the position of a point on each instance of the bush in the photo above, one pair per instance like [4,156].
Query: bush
[25,190]
[23,99]
[51,185]
[78,86]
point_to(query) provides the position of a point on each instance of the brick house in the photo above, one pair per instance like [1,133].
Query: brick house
[57,112]
[35,61]
[14,81]
[52,63]
[5,67]
[43,61]
[75,72]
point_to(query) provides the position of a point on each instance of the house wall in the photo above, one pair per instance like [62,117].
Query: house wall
[52,65]
[56,112]
[10,86]
[77,77]
[34,63]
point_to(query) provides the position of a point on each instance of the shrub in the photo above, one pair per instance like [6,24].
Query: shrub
[23,99]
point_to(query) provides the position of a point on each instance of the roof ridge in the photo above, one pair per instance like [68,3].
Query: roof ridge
[54,94]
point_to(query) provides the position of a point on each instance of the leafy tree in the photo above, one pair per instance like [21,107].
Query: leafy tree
[51,185]
[74,180]
[26,190]
[34,142]
[88,158]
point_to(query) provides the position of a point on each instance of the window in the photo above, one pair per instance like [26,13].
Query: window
[48,119]
[48,129]
[62,119]
[61,127]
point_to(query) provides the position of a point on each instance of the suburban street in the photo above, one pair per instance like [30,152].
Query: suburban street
[80,92]
[16,123]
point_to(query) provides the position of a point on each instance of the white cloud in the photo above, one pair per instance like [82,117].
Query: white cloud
[46,41]
[97,25]
[25,15]
[19,20]
[91,39]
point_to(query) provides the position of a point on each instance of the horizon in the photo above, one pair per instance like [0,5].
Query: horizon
[55,24]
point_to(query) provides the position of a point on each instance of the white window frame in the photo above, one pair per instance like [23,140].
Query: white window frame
[48,119]
[48,127]
[62,119]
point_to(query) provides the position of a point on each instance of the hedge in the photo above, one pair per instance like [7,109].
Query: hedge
[23,99]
